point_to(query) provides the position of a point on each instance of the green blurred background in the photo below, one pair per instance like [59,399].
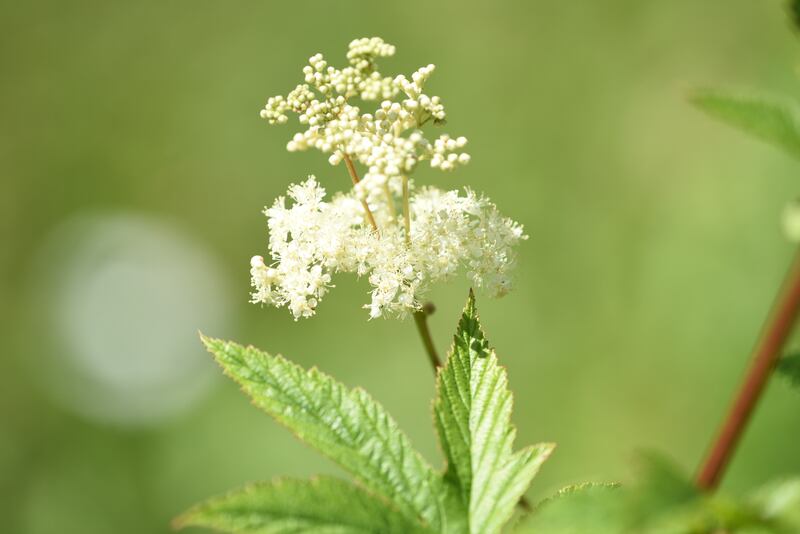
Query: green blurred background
[134,167]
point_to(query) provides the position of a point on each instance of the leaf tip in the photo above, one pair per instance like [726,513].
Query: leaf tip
[701,97]
[541,452]
[548,446]
[182,521]
[206,340]
[469,307]
[546,449]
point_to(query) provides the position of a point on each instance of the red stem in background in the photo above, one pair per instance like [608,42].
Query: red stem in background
[765,356]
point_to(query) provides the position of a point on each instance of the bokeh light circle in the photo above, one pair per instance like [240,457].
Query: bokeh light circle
[121,298]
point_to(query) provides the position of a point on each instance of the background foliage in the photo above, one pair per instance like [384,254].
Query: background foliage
[655,241]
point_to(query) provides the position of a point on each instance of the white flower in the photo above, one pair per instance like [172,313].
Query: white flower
[313,239]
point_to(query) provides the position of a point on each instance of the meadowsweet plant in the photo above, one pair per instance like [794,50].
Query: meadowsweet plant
[403,239]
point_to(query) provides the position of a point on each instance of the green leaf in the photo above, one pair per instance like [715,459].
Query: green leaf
[473,418]
[789,367]
[779,502]
[773,120]
[794,13]
[661,488]
[595,508]
[665,500]
[346,425]
[322,505]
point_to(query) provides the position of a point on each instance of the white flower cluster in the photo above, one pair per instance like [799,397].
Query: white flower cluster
[388,141]
[361,231]
[313,239]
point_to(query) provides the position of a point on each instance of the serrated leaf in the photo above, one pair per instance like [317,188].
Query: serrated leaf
[789,367]
[322,505]
[473,419]
[773,120]
[346,425]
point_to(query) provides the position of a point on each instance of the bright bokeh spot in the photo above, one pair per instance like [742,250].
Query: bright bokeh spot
[130,294]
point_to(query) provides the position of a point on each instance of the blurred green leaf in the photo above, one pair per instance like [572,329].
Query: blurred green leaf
[321,505]
[794,12]
[596,508]
[660,489]
[346,425]
[473,411]
[789,367]
[779,501]
[773,120]
[664,501]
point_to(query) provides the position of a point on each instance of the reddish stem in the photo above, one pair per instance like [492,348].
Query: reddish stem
[351,170]
[765,356]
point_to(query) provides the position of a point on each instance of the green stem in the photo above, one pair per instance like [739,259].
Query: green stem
[406,210]
[421,320]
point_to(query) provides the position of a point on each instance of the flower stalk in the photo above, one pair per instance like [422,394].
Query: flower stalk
[766,355]
[406,210]
[351,169]
[421,320]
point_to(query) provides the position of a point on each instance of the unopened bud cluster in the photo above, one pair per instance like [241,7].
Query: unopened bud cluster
[389,140]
